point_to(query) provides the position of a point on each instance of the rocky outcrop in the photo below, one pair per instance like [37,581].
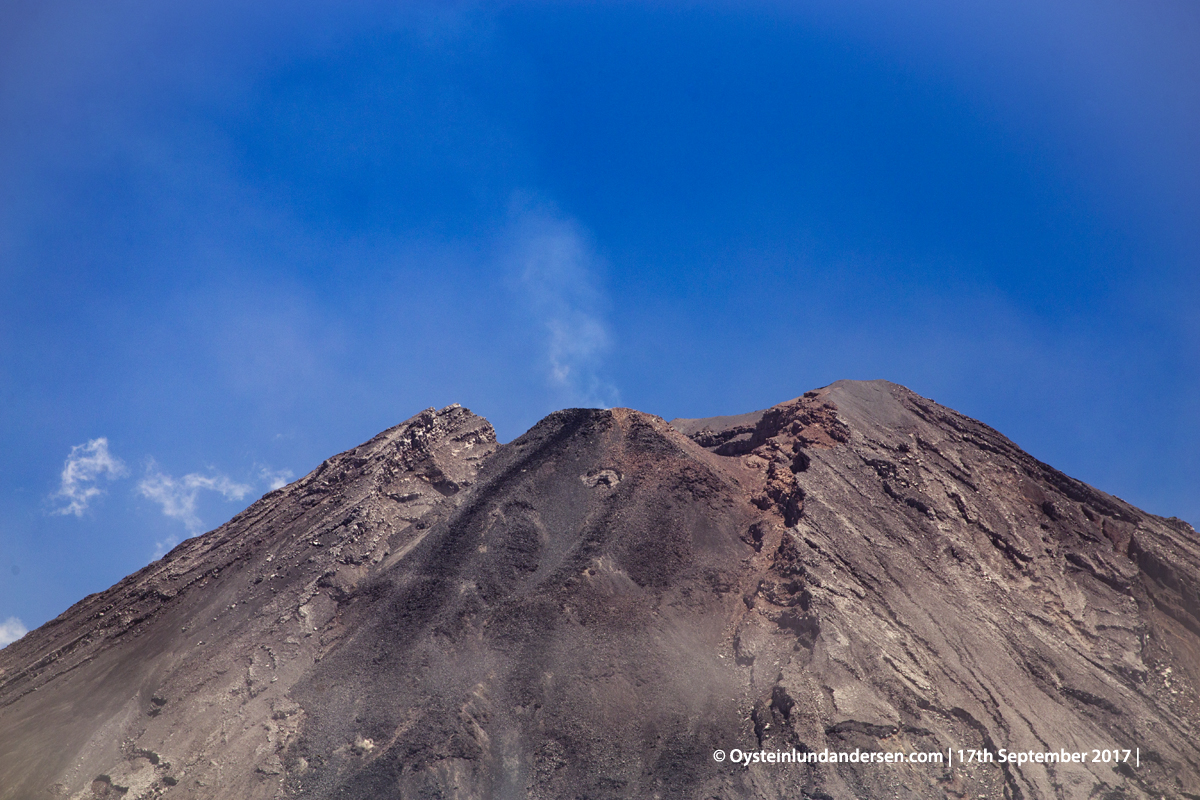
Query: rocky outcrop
[594,609]
[966,596]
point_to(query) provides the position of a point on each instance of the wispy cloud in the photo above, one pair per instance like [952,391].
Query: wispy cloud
[178,496]
[557,272]
[11,630]
[86,464]
[161,548]
[275,478]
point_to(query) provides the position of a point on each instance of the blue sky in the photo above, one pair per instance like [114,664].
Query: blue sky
[235,241]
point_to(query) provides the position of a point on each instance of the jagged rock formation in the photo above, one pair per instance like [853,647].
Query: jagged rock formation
[593,609]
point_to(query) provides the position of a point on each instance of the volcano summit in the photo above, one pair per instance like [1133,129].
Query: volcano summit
[614,606]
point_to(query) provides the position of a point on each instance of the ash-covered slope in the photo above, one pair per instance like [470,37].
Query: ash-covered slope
[595,608]
[176,680]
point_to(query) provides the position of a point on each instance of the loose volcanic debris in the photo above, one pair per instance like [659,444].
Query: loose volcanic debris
[595,608]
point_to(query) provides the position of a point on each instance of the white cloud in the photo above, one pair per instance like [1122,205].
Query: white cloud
[557,272]
[85,464]
[177,497]
[276,479]
[11,630]
[164,547]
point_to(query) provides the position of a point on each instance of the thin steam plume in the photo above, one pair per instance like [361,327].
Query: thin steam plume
[557,272]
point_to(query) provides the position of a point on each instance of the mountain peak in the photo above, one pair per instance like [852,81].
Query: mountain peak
[594,608]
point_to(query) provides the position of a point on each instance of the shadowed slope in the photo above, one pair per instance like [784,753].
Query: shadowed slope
[564,632]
